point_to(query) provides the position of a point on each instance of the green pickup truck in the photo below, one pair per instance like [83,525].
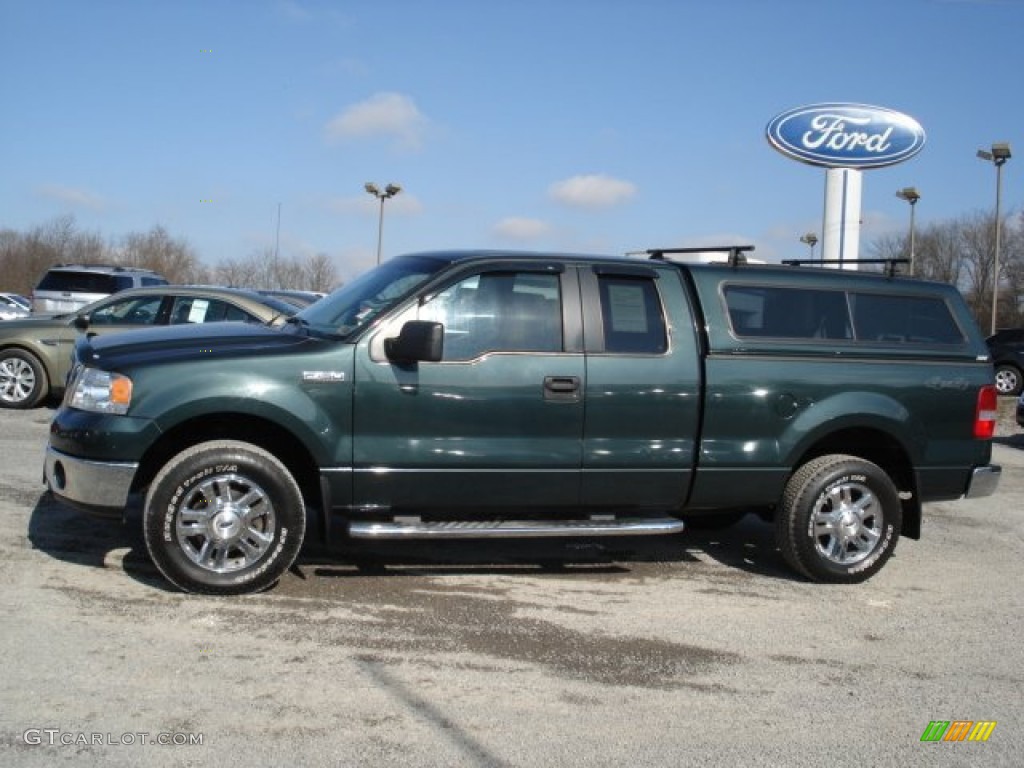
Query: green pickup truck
[497,394]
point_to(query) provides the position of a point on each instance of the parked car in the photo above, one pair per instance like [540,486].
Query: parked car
[35,352]
[300,299]
[13,305]
[67,287]
[1007,349]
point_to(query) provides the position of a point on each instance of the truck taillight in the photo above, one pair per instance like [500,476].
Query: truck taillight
[987,413]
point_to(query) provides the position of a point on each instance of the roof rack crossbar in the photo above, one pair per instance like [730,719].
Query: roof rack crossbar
[735,252]
[890,264]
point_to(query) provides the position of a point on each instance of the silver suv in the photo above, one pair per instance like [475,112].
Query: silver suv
[66,287]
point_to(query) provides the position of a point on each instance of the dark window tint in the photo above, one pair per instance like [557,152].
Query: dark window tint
[498,312]
[142,310]
[79,282]
[632,316]
[789,313]
[189,309]
[153,281]
[919,319]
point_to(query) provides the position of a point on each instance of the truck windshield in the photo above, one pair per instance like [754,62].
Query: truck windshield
[351,307]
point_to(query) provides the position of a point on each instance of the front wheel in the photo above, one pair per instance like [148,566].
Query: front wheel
[839,520]
[224,518]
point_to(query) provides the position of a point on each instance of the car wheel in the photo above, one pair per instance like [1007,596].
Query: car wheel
[224,518]
[1008,380]
[23,381]
[839,520]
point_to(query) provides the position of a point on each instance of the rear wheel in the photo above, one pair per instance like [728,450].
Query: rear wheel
[1008,380]
[839,520]
[23,381]
[224,518]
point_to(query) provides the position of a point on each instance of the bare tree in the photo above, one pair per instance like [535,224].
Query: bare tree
[172,257]
[937,253]
[321,273]
[961,252]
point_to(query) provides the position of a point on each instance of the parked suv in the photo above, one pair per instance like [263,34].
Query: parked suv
[1007,350]
[67,287]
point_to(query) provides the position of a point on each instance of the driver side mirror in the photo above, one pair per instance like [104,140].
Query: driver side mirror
[81,322]
[418,341]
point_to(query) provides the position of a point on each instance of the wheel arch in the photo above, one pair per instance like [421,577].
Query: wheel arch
[44,361]
[264,433]
[879,447]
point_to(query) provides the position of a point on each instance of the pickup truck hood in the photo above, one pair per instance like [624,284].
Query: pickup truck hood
[184,342]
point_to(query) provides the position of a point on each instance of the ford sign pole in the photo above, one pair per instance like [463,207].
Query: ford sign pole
[845,139]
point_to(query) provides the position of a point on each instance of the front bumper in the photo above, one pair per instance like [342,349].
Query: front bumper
[99,487]
[984,481]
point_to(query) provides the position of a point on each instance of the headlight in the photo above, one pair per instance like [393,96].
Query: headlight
[100,391]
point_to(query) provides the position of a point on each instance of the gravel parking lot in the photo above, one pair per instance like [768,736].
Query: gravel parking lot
[697,649]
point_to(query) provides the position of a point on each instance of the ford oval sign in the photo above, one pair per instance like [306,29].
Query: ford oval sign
[846,135]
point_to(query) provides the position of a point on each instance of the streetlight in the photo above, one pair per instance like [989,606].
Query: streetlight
[389,191]
[911,195]
[810,239]
[999,154]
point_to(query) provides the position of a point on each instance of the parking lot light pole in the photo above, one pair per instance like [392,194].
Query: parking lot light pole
[810,239]
[998,156]
[911,195]
[389,191]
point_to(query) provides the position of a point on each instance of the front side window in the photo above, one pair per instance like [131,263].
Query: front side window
[498,312]
[632,315]
[142,310]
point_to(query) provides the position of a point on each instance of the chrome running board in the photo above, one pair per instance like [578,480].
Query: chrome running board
[415,528]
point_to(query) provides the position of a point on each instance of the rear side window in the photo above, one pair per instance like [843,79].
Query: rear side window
[788,313]
[80,282]
[632,316]
[824,314]
[919,319]
[189,309]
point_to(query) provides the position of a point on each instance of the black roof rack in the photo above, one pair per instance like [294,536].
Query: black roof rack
[735,252]
[890,264]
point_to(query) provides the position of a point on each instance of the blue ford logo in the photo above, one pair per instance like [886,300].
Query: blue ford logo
[846,135]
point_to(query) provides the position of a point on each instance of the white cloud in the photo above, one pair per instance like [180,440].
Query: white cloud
[592,191]
[520,228]
[383,115]
[76,198]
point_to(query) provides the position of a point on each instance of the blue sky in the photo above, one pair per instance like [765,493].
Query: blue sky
[581,125]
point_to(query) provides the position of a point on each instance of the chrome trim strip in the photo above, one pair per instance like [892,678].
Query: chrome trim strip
[519,529]
[510,470]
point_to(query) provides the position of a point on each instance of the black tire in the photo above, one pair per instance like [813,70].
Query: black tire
[224,518]
[839,520]
[1009,380]
[23,382]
